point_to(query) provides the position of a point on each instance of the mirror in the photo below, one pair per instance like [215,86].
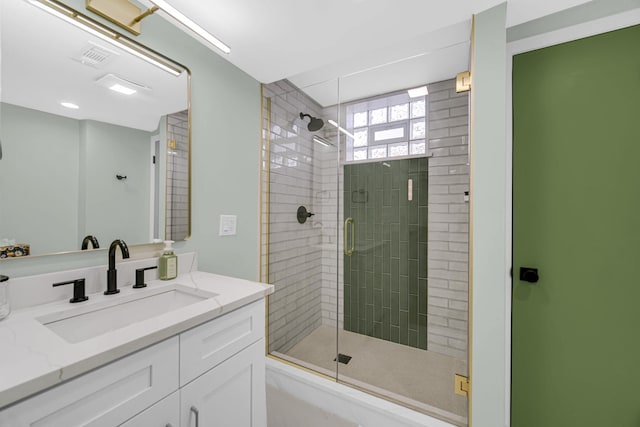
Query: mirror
[95,140]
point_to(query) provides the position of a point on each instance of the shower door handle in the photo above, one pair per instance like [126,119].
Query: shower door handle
[349,226]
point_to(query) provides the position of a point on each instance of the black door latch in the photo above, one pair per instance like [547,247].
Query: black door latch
[528,274]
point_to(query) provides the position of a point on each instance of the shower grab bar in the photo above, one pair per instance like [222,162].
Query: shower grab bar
[348,251]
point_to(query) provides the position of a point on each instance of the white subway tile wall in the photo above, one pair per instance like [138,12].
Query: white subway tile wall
[295,250]
[448,225]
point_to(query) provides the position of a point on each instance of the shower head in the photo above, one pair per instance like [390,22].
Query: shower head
[315,124]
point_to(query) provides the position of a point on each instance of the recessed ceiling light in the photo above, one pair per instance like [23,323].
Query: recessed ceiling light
[69,105]
[120,85]
[418,91]
[122,89]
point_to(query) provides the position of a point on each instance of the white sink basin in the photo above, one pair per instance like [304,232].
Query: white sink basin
[79,324]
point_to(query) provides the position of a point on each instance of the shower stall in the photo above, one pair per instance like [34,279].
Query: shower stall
[365,225]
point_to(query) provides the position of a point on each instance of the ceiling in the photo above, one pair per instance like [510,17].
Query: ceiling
[313,41]
[335,50]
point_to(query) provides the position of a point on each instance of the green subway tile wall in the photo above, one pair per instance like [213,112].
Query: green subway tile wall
[385,280]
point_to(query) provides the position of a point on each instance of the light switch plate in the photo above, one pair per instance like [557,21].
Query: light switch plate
[228,225]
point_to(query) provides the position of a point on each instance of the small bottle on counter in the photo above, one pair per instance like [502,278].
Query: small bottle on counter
[168,262]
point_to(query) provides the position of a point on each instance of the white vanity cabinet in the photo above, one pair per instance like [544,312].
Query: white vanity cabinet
[212,374]
[106,397]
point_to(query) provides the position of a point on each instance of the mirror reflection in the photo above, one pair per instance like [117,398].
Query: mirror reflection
[95,140]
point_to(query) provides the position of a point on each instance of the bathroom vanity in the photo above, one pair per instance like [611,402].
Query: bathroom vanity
[184,352]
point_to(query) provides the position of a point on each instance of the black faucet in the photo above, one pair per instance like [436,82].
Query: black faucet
[90,239]
[112,278]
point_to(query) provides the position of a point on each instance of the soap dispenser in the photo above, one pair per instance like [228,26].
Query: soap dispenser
[168,262]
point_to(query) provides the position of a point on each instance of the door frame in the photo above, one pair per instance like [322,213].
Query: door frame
[563,35]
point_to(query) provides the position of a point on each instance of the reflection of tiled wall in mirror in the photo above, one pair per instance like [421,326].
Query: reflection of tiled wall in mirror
[177,222]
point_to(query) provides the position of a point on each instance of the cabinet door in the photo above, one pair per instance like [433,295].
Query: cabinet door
[165,413]
[230,395]
[105,397]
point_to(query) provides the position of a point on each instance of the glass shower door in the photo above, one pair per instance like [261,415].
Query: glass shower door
[299,174]
[371,290]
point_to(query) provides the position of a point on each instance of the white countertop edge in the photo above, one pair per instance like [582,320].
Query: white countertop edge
[51,361]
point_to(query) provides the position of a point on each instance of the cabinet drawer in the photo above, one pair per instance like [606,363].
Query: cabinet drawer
[105,397]
[165,413]
[205,346]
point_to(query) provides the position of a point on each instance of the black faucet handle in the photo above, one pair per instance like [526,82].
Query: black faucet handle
[78,290]
[140,276]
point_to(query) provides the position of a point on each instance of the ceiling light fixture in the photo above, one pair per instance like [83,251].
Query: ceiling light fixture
[341,129]
[122,89]
[71,105]
[120,85]
[180,17]
[86,24]
[418,91]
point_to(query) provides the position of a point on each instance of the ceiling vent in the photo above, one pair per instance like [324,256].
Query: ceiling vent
[96,56]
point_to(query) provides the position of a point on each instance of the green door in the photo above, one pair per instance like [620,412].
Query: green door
[576,218]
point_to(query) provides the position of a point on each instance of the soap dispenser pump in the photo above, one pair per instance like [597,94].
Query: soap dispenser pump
[168,262]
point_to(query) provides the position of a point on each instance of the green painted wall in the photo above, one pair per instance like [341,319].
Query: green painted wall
[385,280]
[225,159]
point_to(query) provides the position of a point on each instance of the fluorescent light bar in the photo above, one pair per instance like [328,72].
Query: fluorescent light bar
[111,37]
[341,129]
[178,16]
[321,141]
[69,105]
[122,89]
[418,91]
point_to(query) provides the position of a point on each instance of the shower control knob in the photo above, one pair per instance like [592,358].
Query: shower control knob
[528,274]
[302,214]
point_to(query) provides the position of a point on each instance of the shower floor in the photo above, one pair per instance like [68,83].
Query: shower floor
[418,378]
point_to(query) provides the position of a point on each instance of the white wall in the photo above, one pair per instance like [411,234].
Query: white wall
[489,220]
[23,198]
[112,208]
[58,181]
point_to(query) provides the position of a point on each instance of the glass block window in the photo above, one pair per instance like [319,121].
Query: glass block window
[361,137]
[399,112]
[378,116]
[393,125]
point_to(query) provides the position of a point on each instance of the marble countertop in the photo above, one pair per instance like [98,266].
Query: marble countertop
[34,358]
